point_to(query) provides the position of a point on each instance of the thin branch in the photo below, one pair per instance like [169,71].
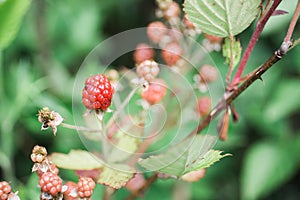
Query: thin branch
[259,27]
[79,128]
[230,96]
[293,23]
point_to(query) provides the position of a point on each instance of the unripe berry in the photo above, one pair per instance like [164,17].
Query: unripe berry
[156,31]
[155,91]
[148,70]
[143,52]
[171,53]
[50,183]
[194,175]
[97,93]
[204,105]
[208,74]
[5,189]
[71,191]
[85,187]
[172,11]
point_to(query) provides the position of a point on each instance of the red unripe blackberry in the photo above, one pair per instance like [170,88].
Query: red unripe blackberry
[71,192]
[148,70]
[85,187]
[213,39]
[204,105]
[5,189]
[171,53]
[97,93]
[50,183]
[155,91]
[208,74]
[143,52]
[156,31]
[172,11]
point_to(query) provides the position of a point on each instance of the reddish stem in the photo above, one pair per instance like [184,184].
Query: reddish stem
[293,23]
[259,27]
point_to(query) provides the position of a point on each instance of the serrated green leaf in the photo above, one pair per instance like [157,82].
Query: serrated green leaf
[191,154]
[221,17]
[124,148]
[267,165]
[11,14]
[115,176]
[208,159]
[236,51]
[76,160]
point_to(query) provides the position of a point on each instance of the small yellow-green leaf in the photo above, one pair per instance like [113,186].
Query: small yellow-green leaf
[76,160]
[115,176]
[222,17]
[235,52]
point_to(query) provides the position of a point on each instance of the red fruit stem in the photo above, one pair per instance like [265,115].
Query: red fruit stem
[293,23]
[144,188]
[259,27]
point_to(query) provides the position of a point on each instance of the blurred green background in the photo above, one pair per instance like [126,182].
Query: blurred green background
[39,66]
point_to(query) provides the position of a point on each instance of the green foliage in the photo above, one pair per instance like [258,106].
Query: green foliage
[189,155]
[11,15]
[267,165]
[222,18]
[115,176]
[76,160]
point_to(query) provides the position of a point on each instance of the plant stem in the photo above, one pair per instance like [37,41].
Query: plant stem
[79,128]
[293,23]
[144,188]
[231,61]
[259,27]
[230,96]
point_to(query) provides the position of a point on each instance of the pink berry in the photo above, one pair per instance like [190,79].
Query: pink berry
[148,70]
[97,93]
[204,105]
[208,74]
[50,183]
[143,52]
[156,31]
[85,187]
[172,11]
[171,53]
[136,182]
[155,91]
[71,192]
[5,189]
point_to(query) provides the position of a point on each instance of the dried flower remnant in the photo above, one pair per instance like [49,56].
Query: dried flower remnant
[49,118]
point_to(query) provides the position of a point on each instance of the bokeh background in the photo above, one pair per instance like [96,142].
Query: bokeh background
[39,66]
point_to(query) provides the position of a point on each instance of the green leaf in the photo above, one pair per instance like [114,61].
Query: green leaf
[115,176]
[236,51]
[221,18]
[267,166]
[124,148]
[76,160]
[11,14]
[189,155]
